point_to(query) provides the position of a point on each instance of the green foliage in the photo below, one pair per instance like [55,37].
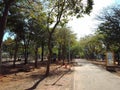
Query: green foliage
[8,46]
[63,8]
[65,40]
[91,46]
[34,22]
[110,27]
[89,6]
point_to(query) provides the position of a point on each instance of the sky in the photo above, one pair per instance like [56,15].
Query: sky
[88,24]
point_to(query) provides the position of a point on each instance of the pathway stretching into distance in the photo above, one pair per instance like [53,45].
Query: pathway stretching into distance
[91,77]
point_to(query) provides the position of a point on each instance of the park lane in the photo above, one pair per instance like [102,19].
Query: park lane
[91,77]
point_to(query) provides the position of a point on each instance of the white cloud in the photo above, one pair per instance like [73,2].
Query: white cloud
[87,24]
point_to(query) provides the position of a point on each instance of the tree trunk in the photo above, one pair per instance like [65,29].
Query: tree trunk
[119,56]
[59,53]
[36,56]
[0,60]
[3,22]
[15,53]
[25,54]
[42,54]
[63,54]
[11,55]
[26,47]
[50,54]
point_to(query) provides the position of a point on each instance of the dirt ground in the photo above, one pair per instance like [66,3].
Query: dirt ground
[29,78]
[60,78]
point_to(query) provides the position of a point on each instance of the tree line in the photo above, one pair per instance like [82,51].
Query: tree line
[106,37]
[34,23]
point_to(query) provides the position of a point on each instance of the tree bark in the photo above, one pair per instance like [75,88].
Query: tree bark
[50,54]
[59,52]
[26,47]
[15,53]
[42,54]
[25,54]
[36,56]
[3,22]
[0,59]
[63,53]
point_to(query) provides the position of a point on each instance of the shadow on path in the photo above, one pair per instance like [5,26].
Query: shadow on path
[36,84]
[61,76]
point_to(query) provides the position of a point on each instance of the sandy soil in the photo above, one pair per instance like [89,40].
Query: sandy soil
[62,81]
[59,79]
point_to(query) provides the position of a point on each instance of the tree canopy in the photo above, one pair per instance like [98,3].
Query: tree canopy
[35,21]
[110,27]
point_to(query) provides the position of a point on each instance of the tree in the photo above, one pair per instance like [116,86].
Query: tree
[110,27]
[55,10]
[8,46]
[17,16]
[38,36]
[3,20]
[59,10]
[37,27]
[20,17]
[91,46]
[4,9]
[64,39]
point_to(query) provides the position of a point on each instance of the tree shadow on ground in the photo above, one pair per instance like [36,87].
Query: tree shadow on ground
[36,84]
[52,74]
[65,72]
[7,67]
[39,78]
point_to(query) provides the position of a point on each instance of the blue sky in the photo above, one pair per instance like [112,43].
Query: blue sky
[5,36]
[87,25]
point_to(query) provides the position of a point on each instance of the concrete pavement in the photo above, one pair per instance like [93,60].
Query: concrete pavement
[91,77]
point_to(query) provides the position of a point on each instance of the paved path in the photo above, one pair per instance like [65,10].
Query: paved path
[90,77]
